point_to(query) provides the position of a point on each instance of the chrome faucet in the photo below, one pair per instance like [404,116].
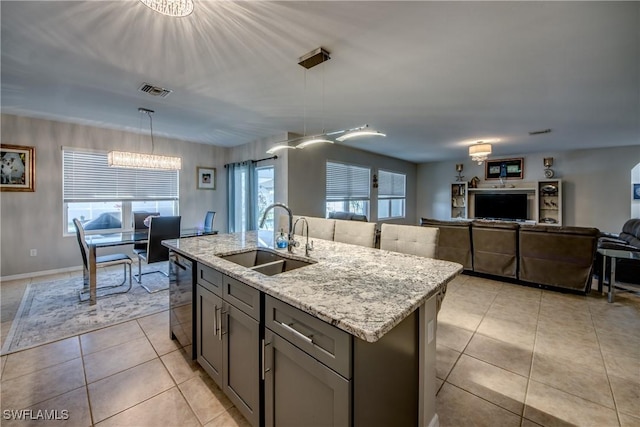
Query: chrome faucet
[307,247]
[291,242]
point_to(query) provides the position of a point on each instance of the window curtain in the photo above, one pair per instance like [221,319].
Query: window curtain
[242,199]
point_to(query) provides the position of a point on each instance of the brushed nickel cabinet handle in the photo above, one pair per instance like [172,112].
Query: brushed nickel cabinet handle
[297,333]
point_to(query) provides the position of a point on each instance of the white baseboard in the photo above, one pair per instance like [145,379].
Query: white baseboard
[40,273]
[46,273]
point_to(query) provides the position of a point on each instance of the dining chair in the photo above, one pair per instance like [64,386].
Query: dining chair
[160,228]
[355,232]
[101,261]
[139,225]
[410,239]
[208,220]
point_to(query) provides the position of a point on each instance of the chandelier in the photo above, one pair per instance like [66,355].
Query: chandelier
[479,152]
[123,159]
[175,8]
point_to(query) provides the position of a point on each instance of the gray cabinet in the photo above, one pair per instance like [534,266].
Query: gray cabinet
[297,370]
[209,332]
[301,391]
[307,369]
[241,368]
[228,338]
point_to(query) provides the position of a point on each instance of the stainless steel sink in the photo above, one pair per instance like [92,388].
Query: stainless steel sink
[265,262]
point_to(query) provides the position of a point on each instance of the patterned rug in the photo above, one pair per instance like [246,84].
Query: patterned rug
[51,311]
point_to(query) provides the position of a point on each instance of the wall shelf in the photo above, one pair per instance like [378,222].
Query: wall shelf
[502,190]
[544,206]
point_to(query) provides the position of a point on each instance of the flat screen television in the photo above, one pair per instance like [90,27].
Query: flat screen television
[504,206]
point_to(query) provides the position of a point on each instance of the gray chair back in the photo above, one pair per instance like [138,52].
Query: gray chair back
[84,249]
[208,220]
[138,225]
[161,228]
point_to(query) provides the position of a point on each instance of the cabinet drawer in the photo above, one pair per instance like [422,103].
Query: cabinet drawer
[210,279]
[324,342]
[242,296]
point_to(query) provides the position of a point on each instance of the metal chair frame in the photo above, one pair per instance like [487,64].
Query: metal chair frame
[101,261]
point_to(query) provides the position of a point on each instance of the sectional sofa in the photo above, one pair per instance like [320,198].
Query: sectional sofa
[557,257]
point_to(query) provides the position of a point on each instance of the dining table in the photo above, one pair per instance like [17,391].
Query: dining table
[106,240]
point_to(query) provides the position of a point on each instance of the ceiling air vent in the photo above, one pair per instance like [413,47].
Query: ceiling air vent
[154,90]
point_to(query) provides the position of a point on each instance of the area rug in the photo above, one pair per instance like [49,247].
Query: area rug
[51,311]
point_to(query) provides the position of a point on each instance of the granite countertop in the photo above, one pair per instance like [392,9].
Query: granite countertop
[363,291]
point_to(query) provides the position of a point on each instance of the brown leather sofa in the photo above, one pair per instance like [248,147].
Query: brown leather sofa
[627,270]
[495,248]
[560,257]
[454,241]
[557,256]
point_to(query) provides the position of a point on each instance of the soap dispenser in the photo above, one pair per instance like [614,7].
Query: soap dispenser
[281,240]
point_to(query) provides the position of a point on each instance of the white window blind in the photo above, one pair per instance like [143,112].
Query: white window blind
[391,184]
[87,177]
[347,182]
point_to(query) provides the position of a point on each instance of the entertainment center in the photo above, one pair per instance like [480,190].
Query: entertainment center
[537,203]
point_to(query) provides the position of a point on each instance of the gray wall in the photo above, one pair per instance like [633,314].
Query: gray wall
[307,178]
[35,220]
[596,184]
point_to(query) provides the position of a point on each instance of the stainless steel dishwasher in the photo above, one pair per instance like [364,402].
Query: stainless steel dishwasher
[181,294]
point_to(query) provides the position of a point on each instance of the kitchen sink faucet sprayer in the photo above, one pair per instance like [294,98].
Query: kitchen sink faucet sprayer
[307,247]
[291,242]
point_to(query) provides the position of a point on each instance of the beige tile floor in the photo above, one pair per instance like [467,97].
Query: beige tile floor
[506,355]
[519,356]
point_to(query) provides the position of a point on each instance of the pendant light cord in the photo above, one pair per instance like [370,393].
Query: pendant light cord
[304,106]
[151,130]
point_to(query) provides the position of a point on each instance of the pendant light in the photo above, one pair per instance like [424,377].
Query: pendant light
[310,60]
[357,132]
[124,159]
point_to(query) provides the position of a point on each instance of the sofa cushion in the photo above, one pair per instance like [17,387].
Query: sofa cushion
[454,241]
[557,256]
[495,249]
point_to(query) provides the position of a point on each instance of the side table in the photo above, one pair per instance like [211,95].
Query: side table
[613,254]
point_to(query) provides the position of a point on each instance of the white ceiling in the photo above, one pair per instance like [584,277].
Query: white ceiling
[434,76]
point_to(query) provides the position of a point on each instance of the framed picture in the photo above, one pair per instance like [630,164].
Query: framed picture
[636,191]
[206,178]
[18,168]
[505,169]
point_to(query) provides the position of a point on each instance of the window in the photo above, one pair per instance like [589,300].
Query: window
[391,194]
[347,188]
[104,198]
[265,194]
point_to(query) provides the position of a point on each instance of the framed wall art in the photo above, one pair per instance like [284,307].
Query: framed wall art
[636,191]
[206,178]
[18,168]
[504,168]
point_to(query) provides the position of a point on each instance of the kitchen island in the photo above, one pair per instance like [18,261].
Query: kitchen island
[361,320]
